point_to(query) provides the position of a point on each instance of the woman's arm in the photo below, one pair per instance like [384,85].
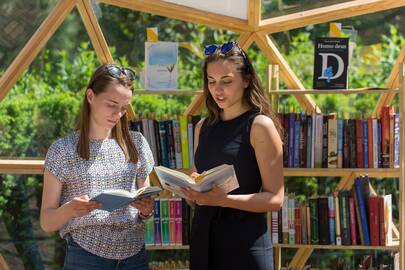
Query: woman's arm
[54,217]
[269,155]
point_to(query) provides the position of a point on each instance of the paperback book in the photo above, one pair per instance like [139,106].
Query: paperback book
[117,198]
[223,176]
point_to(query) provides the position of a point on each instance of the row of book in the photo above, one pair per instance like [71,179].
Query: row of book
[322,141]
[169,265]
[348,217]
[170,223]
[171,140]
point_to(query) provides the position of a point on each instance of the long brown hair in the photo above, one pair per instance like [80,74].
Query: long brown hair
[253,95]
[120,132]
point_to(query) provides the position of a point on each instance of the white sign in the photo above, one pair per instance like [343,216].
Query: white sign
[232,8]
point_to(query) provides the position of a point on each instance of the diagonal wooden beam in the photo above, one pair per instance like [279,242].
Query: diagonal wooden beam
[94,30]
[196,106]
[35,45]
[254,13]
[183,13]
[97,38]
[392,83]
[286,73]
[326,14]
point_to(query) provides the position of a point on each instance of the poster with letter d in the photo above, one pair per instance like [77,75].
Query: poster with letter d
[331,63]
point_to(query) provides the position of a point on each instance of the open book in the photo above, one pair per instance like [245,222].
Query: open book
[117,198]
[223,176]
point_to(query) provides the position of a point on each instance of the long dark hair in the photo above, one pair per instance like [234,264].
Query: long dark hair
[253,95]
[120,132]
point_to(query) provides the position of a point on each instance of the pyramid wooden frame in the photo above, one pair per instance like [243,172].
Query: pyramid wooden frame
[254,29]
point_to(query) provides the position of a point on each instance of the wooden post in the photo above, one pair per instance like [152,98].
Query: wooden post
[402,166]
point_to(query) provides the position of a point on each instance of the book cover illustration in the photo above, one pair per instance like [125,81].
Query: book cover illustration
[331,61]
[161,65]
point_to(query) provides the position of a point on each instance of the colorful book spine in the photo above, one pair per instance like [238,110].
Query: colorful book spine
[297,139]
[370,146]
[365,143]
[190,135]
[184,141]
[291,228]
[397,145]
[164,220]
[373,221]
[285,226]
[177,143]
[313,206]
[178,221]
[332,216]
[340,143]
[172,222]
[353,231]
[376,152]
[149,232]
[337,219]
[274,227]
[363,210]
[157,224]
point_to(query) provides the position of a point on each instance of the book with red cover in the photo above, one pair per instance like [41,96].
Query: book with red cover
[373,220]
[370,143]
[381,222]
[385,136]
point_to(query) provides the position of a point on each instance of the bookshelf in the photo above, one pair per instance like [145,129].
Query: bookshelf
[347,175]
[253,29]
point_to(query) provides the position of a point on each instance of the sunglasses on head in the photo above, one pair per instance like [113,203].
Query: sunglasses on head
[116,71]
[223,49]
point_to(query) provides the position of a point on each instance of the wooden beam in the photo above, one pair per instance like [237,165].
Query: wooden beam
[183,13]
[254,14]
[402,166]
[97,38]
[326,14]
[35,45]
[287,75]
[94,30]
[197,105]
[21,166]
[392,83]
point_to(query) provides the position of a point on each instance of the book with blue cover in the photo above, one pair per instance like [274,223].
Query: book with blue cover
[117,198]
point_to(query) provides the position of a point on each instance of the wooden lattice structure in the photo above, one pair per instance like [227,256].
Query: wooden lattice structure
[252,30]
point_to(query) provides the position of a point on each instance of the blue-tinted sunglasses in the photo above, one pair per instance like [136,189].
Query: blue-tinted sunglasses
[224,48]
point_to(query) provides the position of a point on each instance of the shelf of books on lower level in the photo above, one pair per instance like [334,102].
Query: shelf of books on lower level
[355,218]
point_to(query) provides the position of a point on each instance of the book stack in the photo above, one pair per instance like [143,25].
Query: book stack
[171,140]
[170,224]
[323,141]
[349,217]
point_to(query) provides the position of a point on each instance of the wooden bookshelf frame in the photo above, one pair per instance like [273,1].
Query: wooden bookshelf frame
[252,30]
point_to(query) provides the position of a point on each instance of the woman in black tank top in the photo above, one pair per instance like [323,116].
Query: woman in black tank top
[229,231]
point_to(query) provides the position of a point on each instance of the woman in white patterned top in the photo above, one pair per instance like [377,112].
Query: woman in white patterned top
[102,154]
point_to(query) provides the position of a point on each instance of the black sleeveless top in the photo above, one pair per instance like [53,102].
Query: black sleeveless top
[223,238]
[228,142]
